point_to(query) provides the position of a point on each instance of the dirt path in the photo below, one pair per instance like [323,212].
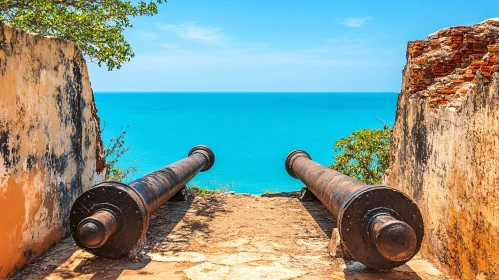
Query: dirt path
[226,236]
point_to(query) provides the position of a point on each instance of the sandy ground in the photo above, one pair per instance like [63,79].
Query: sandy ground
[226,236]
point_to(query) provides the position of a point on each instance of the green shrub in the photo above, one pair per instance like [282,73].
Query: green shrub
[364,155]
[220,188]
[270,192]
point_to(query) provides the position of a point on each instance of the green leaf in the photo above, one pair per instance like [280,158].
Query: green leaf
[364,155]
[97,26]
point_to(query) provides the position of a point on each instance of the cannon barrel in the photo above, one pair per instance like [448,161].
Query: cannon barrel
[111,218]
[380,226]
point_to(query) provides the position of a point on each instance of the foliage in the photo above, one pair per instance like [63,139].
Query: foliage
[270,192]
[96,25]
[202,191]
[364,155]
[113,153]
[220,188]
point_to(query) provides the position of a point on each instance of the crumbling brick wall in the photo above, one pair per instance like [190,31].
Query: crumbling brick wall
[445,146]
[443,67]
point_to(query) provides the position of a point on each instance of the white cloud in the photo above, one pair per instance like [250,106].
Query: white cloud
[342,52]
[191,31]
[355,22]
[229,69]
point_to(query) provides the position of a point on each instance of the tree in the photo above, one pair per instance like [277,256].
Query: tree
[364,155]
[95,25]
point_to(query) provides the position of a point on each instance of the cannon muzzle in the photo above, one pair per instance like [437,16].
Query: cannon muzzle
[111,218]
[380,226]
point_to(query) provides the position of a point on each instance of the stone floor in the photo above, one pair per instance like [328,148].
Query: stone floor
[226,236]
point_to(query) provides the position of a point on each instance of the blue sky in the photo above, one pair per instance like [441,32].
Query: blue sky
[280,45]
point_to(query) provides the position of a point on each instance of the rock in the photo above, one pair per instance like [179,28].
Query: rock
[336,247]
[307,195]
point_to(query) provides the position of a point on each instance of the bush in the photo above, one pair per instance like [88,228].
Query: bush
[364,155]
[221,188]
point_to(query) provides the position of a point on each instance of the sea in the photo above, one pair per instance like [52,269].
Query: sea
[250,133]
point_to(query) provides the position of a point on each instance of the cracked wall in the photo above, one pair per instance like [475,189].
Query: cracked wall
[445,146]
[50,146]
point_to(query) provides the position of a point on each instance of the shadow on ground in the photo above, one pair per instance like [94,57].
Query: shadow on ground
[324,219]
[65,260]
[355,270]
[166,219]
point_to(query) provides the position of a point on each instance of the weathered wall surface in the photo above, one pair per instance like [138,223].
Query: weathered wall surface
[50,146]
[445,147]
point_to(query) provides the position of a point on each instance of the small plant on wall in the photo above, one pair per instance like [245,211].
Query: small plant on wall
[114,151]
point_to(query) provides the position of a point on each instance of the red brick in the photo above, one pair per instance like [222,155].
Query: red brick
[463,28]
[479,63]
[468,77]
[421,60]
[448,91]
[492,48]
[455,31]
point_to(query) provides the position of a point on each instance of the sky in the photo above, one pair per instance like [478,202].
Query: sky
[280,45]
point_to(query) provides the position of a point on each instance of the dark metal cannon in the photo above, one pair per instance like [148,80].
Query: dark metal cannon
[380,226]
[111,218]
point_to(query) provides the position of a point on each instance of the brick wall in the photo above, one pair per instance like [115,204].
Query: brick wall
[443,67]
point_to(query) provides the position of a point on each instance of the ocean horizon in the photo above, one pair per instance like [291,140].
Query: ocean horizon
[251,133]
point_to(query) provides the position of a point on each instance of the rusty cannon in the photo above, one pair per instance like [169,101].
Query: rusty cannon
[380,226]
[111,218]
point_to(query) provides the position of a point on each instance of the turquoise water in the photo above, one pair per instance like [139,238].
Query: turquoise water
[250,133]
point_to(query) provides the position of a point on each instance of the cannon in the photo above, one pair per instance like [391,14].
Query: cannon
[111,218]
[379,226]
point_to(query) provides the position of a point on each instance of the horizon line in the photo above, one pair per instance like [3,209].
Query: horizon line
[95,91]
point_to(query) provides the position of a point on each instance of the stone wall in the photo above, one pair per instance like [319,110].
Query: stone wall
[445,146]
[50,146]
